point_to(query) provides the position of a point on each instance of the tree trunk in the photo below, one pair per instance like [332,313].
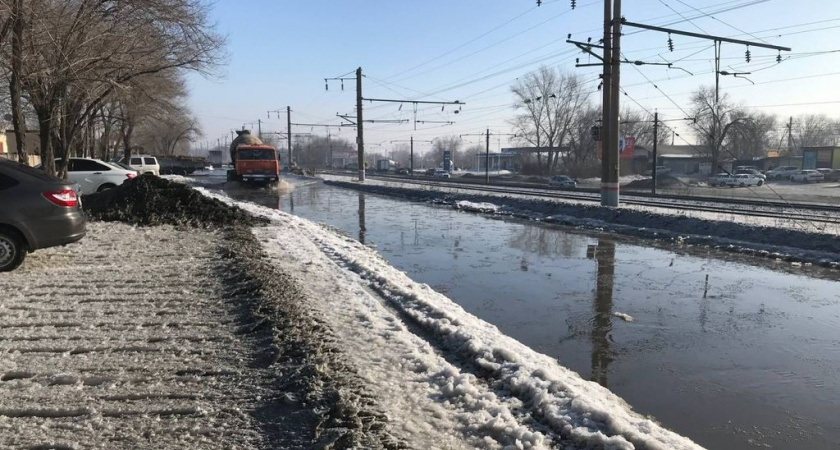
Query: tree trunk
[45,136]
[15,89]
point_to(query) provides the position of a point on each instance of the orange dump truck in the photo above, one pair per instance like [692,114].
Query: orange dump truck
[252,160]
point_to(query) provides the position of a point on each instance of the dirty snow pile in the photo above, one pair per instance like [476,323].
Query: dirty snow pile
[445,378]
[151,200]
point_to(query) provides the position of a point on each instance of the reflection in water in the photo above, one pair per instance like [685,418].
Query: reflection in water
[604,254]
[545,241]
[362,228]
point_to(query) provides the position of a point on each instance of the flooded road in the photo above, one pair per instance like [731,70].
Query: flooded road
[731,354]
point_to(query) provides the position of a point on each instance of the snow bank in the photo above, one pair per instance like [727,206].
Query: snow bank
[443,371]
[476,207]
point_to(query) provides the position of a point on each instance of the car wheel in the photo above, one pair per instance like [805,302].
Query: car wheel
[742,185]
[759,183]
[105,187]
[12,251]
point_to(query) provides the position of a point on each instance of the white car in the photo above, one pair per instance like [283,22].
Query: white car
[807,176]
[744,180]
[721,179]
[780,173]
[93,175]
[144,164]
[440,173]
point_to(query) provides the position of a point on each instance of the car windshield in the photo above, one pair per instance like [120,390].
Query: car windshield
[120,165]
[256,154]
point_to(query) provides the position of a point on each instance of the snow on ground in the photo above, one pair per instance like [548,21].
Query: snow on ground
[476,207]
[446,378]
[122,341]
[179,179]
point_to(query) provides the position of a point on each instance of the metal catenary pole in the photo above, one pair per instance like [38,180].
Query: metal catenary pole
[606,129]
[289,134]
[610,185]
[360,136]
[655,140]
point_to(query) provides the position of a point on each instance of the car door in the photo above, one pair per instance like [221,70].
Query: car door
[89,174]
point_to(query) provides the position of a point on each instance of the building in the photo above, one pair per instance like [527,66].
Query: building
[498,161]
[690,159]
[341,160]
[821,157]
[8,146]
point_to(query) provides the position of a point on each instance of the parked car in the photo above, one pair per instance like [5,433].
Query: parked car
[440,173]
[144,164]
[830,174]
[807,176]
[403,171]
[36,211]
[750,171]
[562,181]
[743,180]
[660,170]
[429,172]
[737,168]
[721,179]
[782,172]
[94,175]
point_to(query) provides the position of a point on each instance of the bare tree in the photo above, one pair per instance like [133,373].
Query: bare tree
[550,101]
[78,53]
[755,133]
[814,130]
[714,117]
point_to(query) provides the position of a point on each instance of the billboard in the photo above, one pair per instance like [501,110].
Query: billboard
[447,160]
[626,147]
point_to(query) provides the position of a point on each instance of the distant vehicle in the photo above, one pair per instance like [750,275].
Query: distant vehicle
[143,164]
[36,211]
[750,171]
[660,170]
[252,160]
[807,176]
[440,173]
[744,180]
[562,181]
[782,172]
[94,175]
[403,171]
[385,165]
[429,172]
[830,174]
[737,168]
[721,179]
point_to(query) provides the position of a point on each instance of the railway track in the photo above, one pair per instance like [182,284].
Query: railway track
[811,213]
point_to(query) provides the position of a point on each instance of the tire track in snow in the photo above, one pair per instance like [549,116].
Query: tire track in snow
[124,341]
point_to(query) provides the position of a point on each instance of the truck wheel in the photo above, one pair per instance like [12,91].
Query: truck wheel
[12,251]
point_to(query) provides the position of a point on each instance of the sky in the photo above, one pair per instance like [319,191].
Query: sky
[472,51]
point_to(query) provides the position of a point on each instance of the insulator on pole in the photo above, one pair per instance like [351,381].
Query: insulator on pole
[747,54]
[670,43]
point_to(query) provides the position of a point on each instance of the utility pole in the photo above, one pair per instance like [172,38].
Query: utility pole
[655,142]
[610,186]
[487,159]
[790,136]
[607,129]
[289,133]
[411,157]
[259,129]
[360,135]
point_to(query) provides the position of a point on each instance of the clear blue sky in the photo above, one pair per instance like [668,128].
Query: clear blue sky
[473,50]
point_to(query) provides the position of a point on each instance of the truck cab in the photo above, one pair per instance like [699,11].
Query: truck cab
[255,163]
